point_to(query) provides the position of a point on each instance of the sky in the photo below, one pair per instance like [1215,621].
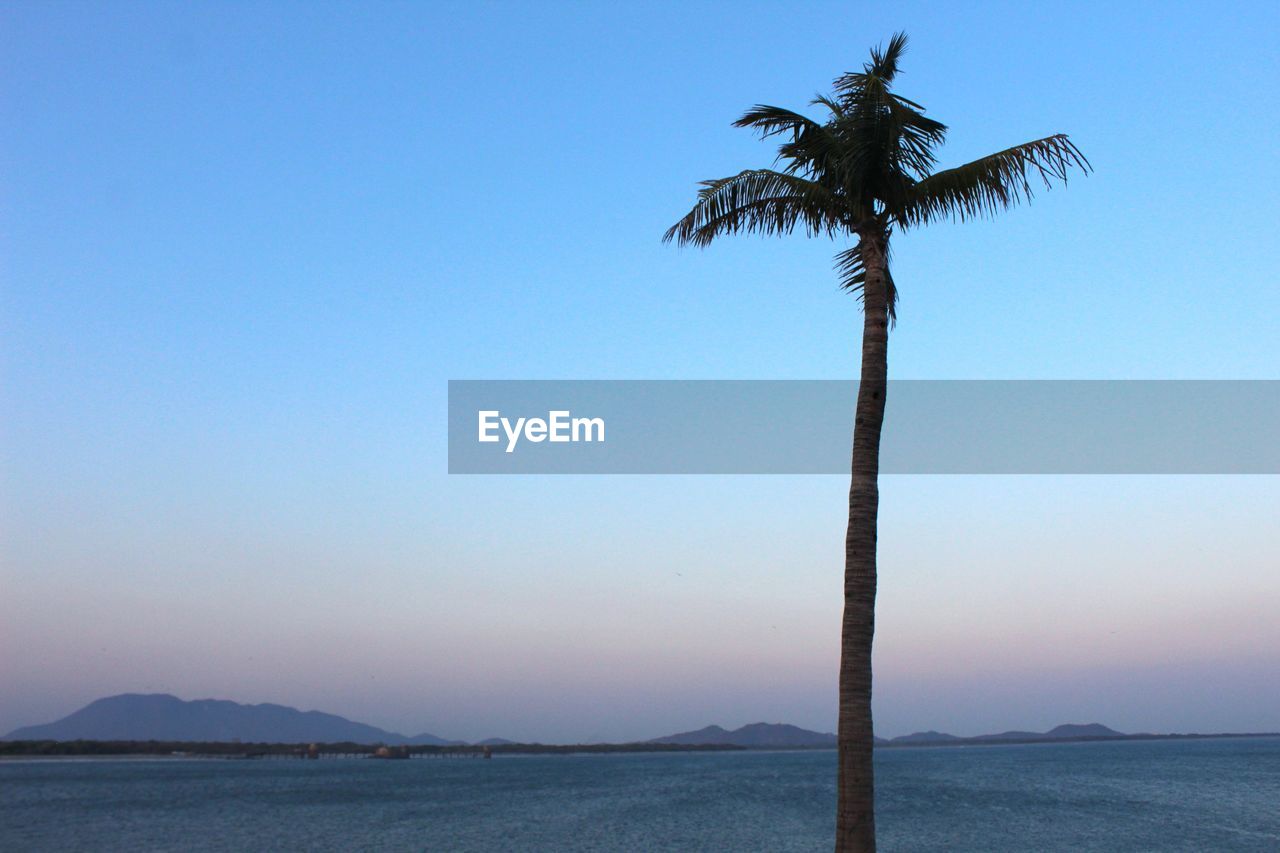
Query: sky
[243,248]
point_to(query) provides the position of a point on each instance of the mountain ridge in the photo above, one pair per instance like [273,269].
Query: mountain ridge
[1066,731]
[752,736]
[777,735]
[162,716]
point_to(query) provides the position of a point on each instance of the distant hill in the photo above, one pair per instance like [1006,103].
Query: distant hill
[754,736]
[1067,730]
[426,739]
[1086,730]
[1064,732]
[925,737]
[159,716]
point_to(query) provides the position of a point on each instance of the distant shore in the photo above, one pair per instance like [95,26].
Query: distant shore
[236,750]
[226,750]
[994,741]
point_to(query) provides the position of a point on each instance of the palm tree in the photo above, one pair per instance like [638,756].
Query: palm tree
[863,172]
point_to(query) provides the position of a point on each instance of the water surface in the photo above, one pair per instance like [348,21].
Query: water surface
[1165,795]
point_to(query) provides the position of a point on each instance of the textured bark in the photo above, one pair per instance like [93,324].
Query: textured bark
[855,808]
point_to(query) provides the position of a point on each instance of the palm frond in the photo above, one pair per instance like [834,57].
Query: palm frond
[759,200]
[811,147]
[912,136]
[885,132]
[888,144]
[770,121]
[881,70]
[884,63]
[853,278]
[832,105]
[993,183]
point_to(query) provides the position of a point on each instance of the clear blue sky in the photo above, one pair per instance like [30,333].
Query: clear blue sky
[244,246]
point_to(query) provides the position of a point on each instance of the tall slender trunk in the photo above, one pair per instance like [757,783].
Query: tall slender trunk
[855,808]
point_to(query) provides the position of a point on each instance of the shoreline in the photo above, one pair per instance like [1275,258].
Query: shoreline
[165,751]
[989,741]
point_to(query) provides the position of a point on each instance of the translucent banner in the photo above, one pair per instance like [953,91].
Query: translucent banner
[805,427]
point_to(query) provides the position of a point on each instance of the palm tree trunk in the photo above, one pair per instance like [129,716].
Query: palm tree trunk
[855,808]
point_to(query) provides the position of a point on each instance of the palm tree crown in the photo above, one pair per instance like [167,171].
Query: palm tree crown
[866,170]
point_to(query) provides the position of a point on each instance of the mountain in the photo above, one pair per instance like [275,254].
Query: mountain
[1013,735]
[710,734]
[754,736]
[494,741]
[1056,733]
[427,739]
[925,737]
[778,736]
[1086,730]
[159,716]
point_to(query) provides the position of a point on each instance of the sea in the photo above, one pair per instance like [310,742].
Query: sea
[1193,795]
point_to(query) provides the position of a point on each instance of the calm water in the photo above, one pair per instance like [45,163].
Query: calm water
[1198,795]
